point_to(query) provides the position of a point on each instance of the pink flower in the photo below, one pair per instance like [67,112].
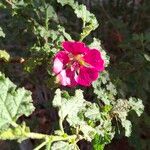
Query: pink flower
[77,64]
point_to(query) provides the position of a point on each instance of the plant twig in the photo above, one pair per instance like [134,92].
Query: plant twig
[9,2]
[61,125]
[40,146]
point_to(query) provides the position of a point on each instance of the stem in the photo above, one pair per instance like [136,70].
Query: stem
[46,18]
[61,138]
[46,22]
[49,138]
[142,42]
[9,2]
[48,146]
[40,146]
[33,135]
[14,124]
[22,132]
[61,125]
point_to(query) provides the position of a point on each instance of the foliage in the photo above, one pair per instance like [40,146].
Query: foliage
[83,113]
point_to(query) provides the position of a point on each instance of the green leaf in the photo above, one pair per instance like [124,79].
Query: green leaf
[111,88]
[51,14]
[65,2]
[127,126]
[96,143]
[104,89]
[63,146]
[17,133]
[147,57]
[64,33]
[2,34]
[121,109]
[96,44]
[105,129]
[93,112]
[89,20]
[14,102]
[88,131]
[136,105]
[57,101]
[4,55]
[70,107]
[60,145]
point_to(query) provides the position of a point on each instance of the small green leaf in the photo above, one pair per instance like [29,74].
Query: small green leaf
[69,107]
[65,2]
[51,14]
[16,133]
[127,126]
[2,34]
[121,109]
[89,20]
[88,131]
[96,143]
[4,55]
[96,44]
[62,146]
[136,105]
[93,112]
[147,57]
[57,101]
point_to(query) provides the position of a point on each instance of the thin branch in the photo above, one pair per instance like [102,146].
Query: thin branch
[9,2]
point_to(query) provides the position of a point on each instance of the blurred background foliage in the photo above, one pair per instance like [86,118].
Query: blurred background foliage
[125,35]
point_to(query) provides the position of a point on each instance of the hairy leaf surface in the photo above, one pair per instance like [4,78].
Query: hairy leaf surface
[14,102]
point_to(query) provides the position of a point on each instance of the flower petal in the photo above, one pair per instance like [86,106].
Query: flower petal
[66,78]
[71,74]
[94,58]
[60,60]
[75,47]
[86,76]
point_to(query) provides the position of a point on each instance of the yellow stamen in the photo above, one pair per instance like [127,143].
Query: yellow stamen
[80,60]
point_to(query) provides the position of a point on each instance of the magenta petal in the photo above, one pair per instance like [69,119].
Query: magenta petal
[62,78]
[86,76]
[94,58]
[75,47]
[66,78]
[60,60]
[71,74]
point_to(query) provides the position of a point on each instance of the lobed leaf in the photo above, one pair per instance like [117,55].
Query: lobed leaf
[136,105]
[122,108]
[14,102]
